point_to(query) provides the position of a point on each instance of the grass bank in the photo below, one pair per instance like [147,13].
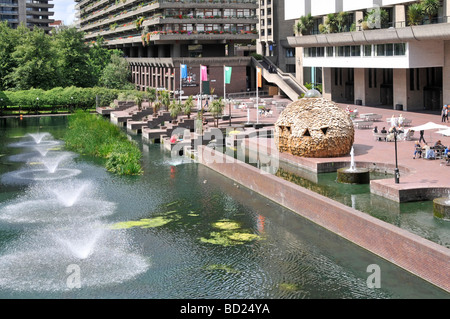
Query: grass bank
[89,134]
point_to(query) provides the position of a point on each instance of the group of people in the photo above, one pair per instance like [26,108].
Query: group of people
[430,152]
[402,133]
[353,113]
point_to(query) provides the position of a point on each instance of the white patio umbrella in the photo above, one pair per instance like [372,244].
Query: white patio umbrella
[445,132]
[429,126]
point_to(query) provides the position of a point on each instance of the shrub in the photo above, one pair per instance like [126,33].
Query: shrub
[90,134]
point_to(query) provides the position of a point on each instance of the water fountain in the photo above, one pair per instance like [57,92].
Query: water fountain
[63,202]
[41,261]
[38,137]
[42,150]
[52,162]
[52,171]
[352,174]
[441,207]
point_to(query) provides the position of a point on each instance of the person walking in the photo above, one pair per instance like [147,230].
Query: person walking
[444,114]
[447,110]
[421,137]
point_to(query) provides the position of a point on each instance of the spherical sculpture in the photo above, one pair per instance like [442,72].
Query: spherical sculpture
[314,127]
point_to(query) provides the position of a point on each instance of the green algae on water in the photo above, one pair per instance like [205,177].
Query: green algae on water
[226,224]
[226,268]
[193,214]
[289,286]
[229,238]
[143,223]
[231,234]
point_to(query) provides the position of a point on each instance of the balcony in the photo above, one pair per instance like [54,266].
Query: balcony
[391,35]
[37,20]
[170,36]
[40,13]
[40,5]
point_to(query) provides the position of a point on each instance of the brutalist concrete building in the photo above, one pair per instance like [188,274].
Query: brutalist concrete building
[158,36]
[376,53]
[32,13]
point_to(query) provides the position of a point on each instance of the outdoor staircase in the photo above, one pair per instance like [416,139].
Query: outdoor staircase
[285,81]
[152,132]
[119,106]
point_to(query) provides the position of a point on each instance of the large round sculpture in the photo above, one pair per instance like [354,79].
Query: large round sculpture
[314,127]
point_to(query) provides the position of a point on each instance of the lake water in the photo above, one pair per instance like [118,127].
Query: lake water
[178,231]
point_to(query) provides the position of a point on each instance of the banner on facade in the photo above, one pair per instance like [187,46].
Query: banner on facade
[228,71]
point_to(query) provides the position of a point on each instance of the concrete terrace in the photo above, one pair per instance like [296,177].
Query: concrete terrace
[420,179]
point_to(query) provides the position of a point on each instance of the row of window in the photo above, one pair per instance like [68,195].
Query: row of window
[208,27]
[389,49]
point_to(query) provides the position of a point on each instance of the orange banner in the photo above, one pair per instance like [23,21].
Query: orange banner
[259,76]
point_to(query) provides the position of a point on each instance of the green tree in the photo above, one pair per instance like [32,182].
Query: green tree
[116,75]
[216,109]
[151,96]
[341,22]
[304,25]
[138,99]
[415,14]
[188,106]
[175,109]
[99,57]
[430,8]
[164,98]
[35,62]
[72,58]
[9,39]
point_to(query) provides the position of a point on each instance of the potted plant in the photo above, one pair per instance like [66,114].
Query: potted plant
[188,106]
[175,110]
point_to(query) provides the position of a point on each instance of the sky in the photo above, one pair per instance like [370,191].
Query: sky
[64,10]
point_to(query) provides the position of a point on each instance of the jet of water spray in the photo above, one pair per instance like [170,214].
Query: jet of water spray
[52,163]
[38,137]
[352,162]
[80,244]
[43,150]
[70,194]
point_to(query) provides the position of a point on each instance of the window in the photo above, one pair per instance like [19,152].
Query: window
[380,49]
[330,51]
[290,52]
[356,50]
[368,50]
[344,51]
[389,49]
[400,49]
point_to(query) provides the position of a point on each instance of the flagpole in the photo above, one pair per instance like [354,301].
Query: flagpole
[257,95]
[201,84]
[224,83]
[181,81]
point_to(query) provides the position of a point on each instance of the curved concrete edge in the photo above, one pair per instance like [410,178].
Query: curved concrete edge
[416,255]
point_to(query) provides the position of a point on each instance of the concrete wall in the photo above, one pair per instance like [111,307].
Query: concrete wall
[446,73]
[423,54]
[401,87]
[421,257]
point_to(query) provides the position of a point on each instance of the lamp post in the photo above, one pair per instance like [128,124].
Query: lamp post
[1,106]
[397,173]
[37,105]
